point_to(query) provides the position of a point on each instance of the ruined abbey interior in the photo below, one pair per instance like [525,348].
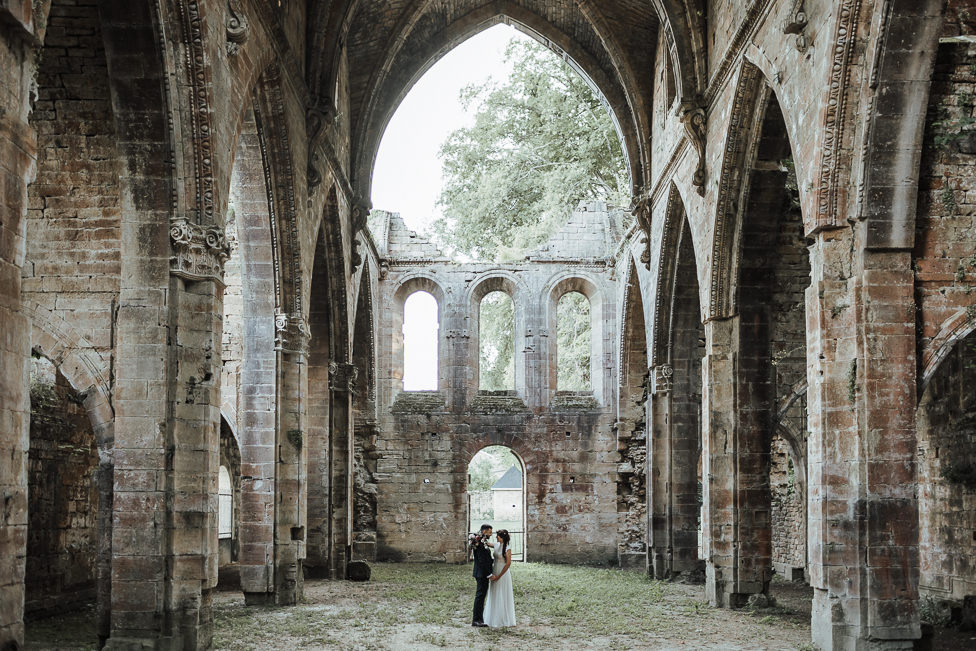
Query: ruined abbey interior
[195,320]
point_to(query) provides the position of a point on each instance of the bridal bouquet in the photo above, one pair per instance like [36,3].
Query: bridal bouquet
[477,540]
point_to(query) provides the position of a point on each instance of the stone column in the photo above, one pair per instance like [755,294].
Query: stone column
[659,472]
[18,157]
[164,547]
[718,463]
[291,344]
[863,513]
[342,385]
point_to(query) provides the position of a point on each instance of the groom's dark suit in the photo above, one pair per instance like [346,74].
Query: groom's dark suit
[483,562]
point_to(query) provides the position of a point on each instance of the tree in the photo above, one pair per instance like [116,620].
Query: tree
[497,337]
[541,142]
[489,465]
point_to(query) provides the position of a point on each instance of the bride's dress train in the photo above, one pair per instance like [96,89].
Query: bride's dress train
[500,604]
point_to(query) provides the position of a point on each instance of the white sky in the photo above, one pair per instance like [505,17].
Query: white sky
[420,342]
[407,177]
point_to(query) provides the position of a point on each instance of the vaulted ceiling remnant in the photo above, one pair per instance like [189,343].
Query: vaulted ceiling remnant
[387,46]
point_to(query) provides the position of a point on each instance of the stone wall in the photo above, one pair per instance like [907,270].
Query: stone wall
[788,512]
[947,476]
[565,439]
[62,534]
[73,219]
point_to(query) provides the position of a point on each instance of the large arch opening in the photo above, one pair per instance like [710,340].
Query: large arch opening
[756,485]
[249,375]
[496,494]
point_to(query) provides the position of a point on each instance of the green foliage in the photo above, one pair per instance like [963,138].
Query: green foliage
[488,465]
[573,340]
[497,341]
[541,142]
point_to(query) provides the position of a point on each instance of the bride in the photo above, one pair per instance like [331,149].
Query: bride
[500,604]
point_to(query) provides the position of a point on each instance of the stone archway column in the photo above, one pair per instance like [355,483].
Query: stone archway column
[862,508]
[291,344]
[18,158]
[719,540]
[167,417]
[659,472]
[342,386]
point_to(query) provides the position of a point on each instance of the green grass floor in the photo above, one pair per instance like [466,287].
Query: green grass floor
[428,606]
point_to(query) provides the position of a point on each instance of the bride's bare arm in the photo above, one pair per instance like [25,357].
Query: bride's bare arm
[508,564]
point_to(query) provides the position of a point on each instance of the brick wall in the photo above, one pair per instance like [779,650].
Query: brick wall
[73,219]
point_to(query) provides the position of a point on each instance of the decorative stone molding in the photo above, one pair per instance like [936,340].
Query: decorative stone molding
[642,212]
[674,216]
[313,178]
[198,252]
[201,108]
[320,114]
[834,155]
[693,120]
[237,27]
[343,377]
[357,257]
[457,334]
[734,159]
[359,214]
[796,23]
[661,379]
[292,333]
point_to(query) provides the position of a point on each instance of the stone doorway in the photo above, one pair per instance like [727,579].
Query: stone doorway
[496,494]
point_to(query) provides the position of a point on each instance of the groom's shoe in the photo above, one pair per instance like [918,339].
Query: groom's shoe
[479,624]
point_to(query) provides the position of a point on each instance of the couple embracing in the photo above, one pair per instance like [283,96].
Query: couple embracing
[494,601]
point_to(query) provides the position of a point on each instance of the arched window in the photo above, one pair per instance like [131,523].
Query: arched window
[225,504]
[496,340]
[420,326]
[573,343]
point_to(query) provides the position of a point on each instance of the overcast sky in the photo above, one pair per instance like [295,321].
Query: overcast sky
[407,176]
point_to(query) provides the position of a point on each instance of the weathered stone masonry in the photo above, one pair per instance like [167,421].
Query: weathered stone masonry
[183,194]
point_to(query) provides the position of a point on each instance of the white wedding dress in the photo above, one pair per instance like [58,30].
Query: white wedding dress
[500,604]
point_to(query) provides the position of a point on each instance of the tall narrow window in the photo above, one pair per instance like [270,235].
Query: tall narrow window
[573,343]
[225,504]
[496,333]
[420,342]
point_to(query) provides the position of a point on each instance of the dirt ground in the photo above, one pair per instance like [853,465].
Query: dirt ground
[413,606]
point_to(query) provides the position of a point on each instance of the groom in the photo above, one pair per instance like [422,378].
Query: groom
[483,562]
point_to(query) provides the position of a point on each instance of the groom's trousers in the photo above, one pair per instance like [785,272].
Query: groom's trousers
[479,600]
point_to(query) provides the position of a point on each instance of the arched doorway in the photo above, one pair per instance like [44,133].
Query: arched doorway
[496,494]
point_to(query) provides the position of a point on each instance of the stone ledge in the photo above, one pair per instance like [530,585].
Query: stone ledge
[418,402]
[574,401]
[498,402]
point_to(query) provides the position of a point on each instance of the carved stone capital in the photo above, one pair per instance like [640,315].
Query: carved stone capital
[236,26]
[693,119]
[661,379]
[291,333]
[359,214]
[357,257]
[642,212]
[320,114]
[313,178]
[198,252]
[343,376]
